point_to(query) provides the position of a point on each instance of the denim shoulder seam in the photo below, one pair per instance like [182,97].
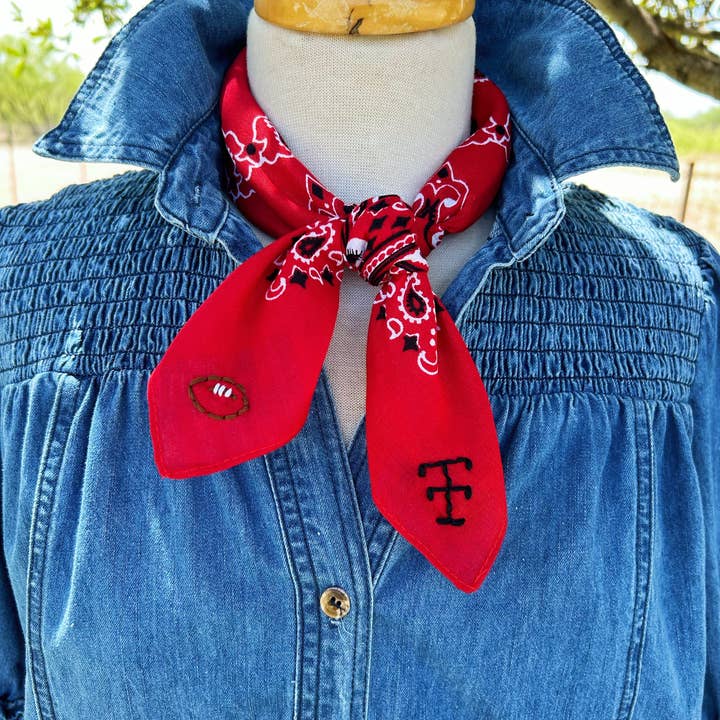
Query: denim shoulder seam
[163,174]
[51,203]
[707,266]
[536,242]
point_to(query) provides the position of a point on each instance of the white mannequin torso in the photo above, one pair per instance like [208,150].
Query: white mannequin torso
[368,115]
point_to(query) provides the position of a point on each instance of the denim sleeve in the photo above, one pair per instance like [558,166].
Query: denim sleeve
[705,402]
[12,654]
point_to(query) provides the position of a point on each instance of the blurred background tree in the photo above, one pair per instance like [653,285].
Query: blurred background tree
[38,68]
[36,85]
[39,73]
[36,88]
[680,38]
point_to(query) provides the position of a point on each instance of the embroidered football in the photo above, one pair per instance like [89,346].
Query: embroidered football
[218,396]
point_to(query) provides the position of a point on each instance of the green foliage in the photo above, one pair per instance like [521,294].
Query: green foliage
[699,135]
[112,13]
[680,8]
[36,85]
[37,73]
[694,23]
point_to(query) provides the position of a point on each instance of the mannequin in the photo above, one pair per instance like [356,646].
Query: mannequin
[383,114]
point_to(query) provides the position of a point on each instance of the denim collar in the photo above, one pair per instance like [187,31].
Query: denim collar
[577,103]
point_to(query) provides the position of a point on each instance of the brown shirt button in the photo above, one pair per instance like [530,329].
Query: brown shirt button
[335,602]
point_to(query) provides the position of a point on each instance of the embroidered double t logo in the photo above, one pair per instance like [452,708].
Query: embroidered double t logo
[448,488]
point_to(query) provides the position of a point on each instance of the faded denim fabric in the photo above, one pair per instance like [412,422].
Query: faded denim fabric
[125,595]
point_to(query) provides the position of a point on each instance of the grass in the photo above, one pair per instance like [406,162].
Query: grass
[699,135]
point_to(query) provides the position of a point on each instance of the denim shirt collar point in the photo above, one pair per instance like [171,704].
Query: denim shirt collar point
[577,104]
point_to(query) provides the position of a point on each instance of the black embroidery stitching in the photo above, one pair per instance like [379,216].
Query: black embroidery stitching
[448,488]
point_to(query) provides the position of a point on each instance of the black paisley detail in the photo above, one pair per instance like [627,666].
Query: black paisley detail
[308,245]
[410,342]
[415,304]
[377,223]
[299,277]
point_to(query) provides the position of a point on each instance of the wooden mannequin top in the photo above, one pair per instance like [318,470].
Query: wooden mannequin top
[368,115]
[342,17]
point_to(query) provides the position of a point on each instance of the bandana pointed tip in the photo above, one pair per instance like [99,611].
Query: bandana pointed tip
[225,391]
[444,489]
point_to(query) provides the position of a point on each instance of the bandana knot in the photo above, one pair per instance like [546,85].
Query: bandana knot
[382,236]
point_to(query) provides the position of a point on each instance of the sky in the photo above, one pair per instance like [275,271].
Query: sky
[672,97]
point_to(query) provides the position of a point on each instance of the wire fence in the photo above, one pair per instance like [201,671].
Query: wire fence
[25,176]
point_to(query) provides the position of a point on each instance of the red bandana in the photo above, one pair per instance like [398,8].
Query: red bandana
[238,379]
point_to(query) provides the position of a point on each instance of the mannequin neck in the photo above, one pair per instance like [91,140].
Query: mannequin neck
[367,114]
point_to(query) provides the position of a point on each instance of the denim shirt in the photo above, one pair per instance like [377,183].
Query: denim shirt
[594,324]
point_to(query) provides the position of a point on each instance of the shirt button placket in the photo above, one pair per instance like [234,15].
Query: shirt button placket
[327,553]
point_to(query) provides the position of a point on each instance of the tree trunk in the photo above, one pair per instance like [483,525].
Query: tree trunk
[663,52]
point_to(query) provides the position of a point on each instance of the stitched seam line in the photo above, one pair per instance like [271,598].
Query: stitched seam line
[106,376]
[48,476]
[643,557]
[109,327]
[92,151]
[66,232]
[299,620]
[486,378]
[579,351]
[88,303]
[633,379]
[103,302]
[89,278]
[311,565]
[104,222]
[575,218]
[471,321]
[621,159]
[143,253]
